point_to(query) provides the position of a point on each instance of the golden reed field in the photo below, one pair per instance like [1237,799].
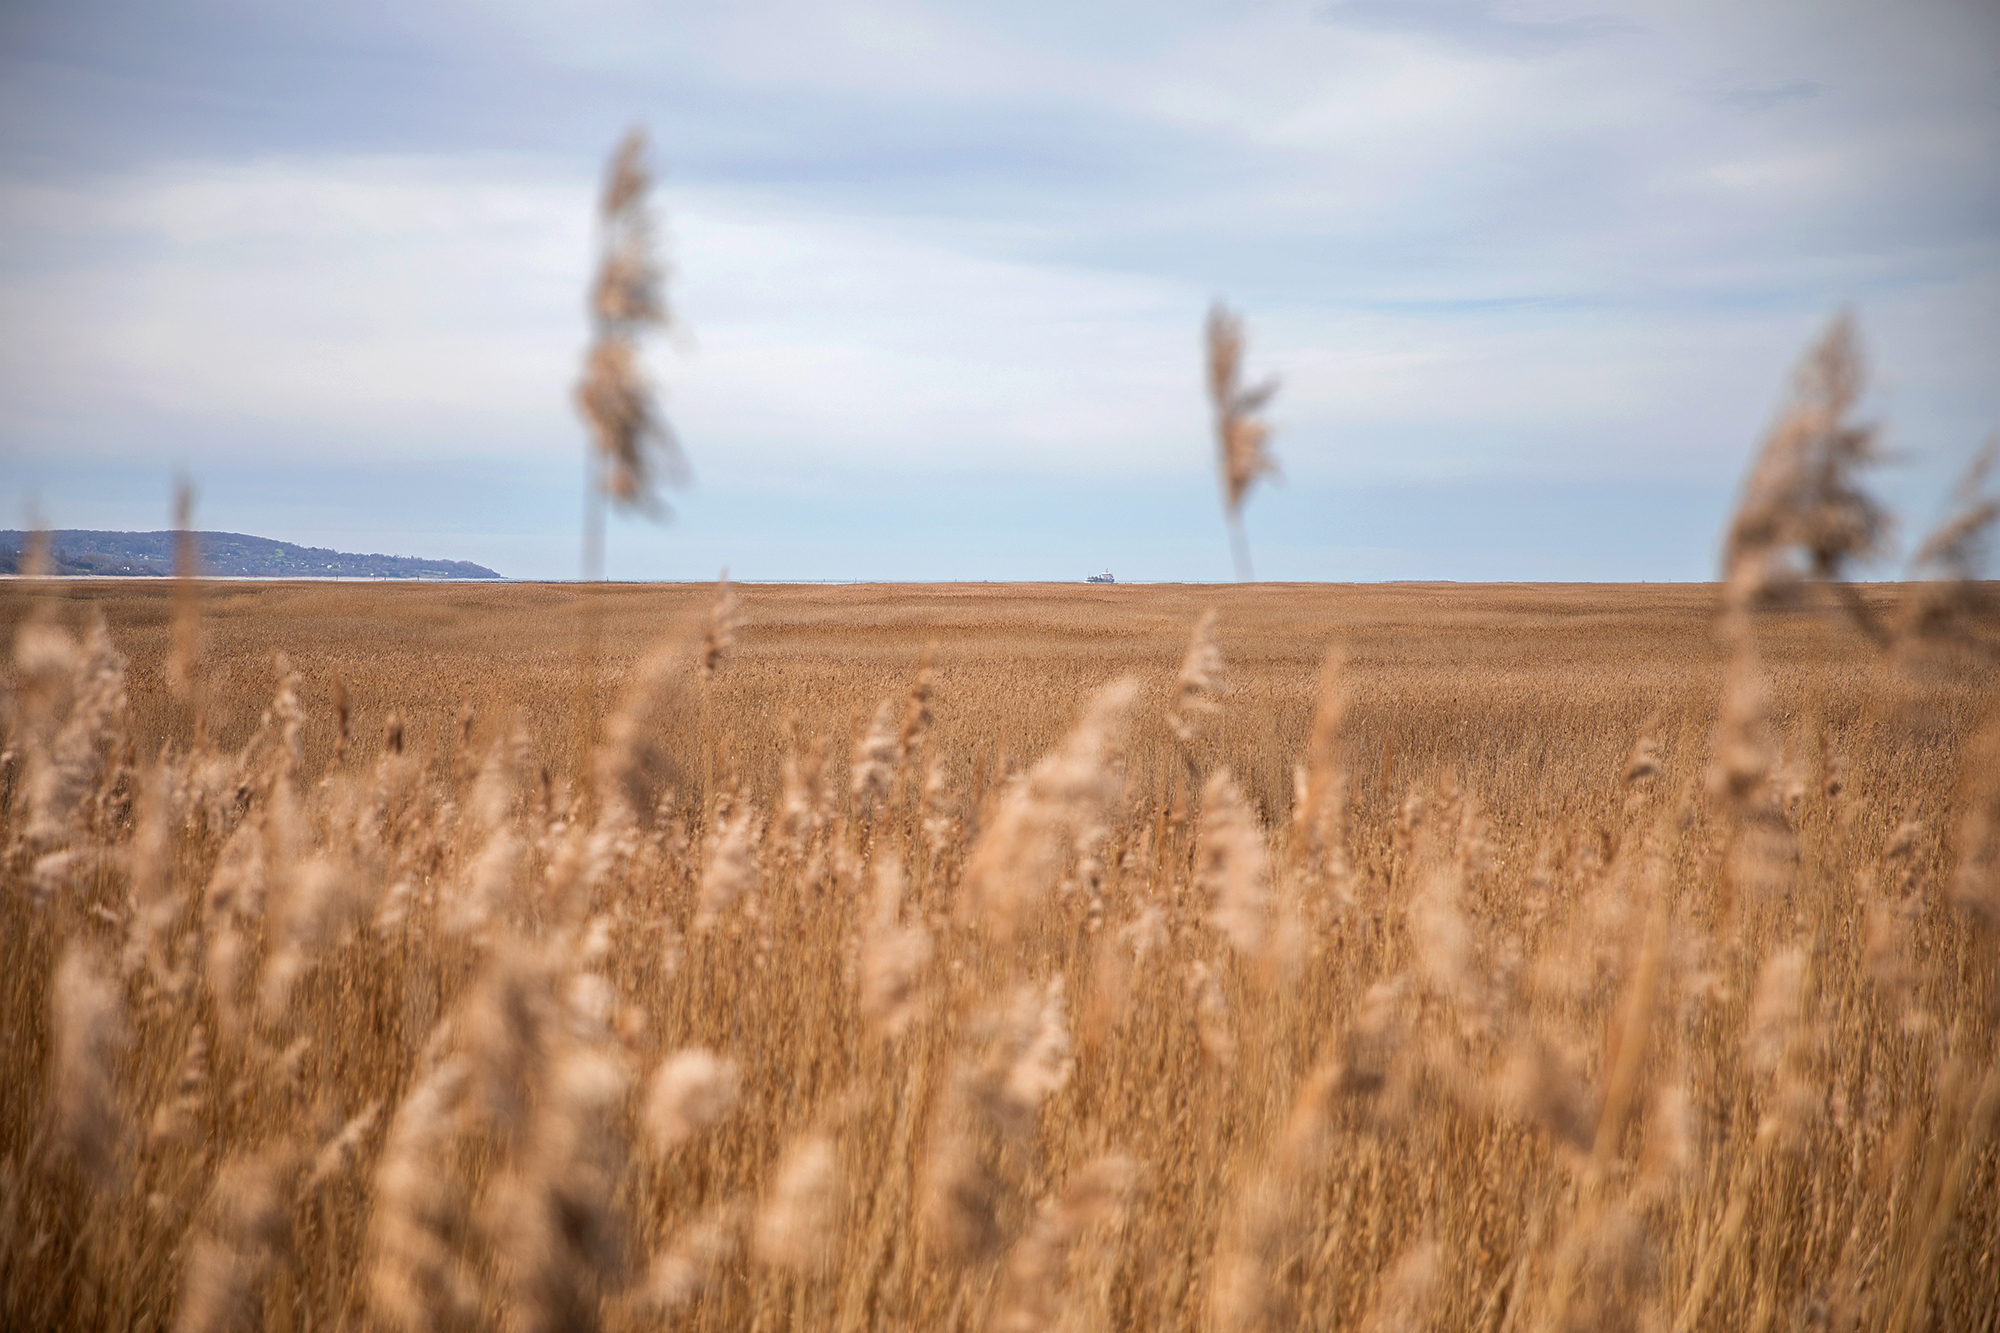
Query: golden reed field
[995,957]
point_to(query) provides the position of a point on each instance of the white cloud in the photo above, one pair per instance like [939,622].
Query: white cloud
[1497,240]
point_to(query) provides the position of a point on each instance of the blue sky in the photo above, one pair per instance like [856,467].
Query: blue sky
[1533,275]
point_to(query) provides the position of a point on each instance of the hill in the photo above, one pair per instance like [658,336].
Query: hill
[223,555]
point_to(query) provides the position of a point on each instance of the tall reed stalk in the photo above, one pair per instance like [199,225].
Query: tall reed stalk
[1240,435]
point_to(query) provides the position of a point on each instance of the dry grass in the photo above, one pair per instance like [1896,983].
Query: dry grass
[1010,958]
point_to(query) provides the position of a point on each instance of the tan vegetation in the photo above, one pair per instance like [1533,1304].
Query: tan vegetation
[633,449]
[1241,436]
[1015,958]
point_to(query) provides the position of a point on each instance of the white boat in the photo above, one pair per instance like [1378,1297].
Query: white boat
[1105,577]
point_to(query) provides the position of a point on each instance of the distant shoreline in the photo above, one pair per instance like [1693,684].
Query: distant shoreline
[86,553]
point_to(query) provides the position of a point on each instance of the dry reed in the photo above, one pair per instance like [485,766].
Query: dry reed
[1241,436]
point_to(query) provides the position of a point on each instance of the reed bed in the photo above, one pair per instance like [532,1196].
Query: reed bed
[993,959]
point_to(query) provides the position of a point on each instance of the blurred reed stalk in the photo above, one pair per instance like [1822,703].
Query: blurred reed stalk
[1804,514]
[183,658]
[633,448]
[1240,437]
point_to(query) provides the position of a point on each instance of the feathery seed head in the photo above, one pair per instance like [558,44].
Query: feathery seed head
[250,1207]
[1018,856]
[417,1281]
[1031,1287]
[725,618]
[322,898]
[1670,1138]
[87,1021]
[174,1119]
[795,1227]
[339,1152]
[1408,1290]
[508,1027]
[1443,937]
[1233,865]
[730,871]
[631,771]
[1200,680]
[1975,884]
[693,1089]
[1774,1010]
[1037,1041]
[686,1267]
[75,712]
[633,441]
[1801,504]
[1543,1084]
[893,956]
[1240,436]
[875,756]
[1319,809]
[1953,603]
[1211,1014]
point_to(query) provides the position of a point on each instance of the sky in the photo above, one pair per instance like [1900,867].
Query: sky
[1533,276]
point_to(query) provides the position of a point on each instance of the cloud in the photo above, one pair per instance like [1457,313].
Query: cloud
[380,305]
[1776,95]
[1476,24]
[976,240]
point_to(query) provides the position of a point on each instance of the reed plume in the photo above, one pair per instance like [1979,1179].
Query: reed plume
[683,1270]
[981,1130]
[940,810]
[341,1151]
[1952,604]
[152,902]
[1274,1216]
[495,851]
[635,450]
[222,1290]
[1319,808]
[692,1089]
[551,1216]
[1975,884]
[631,771]
[1016,860]
[74,699]
[1803,513]
[1118,957]
[893,956]
[1234,866]
[323,899]
[1035,1280]
[418,1277]
[1240,435]
[1200,682]
[805,803]
[795,1228]
[1408,1290]
[175,1117]
[182,660]
[1212,1020]
[873,769]
[87,1018]
[729,872]
[725,618]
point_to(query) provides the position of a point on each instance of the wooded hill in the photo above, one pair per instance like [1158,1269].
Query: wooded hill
[222,555]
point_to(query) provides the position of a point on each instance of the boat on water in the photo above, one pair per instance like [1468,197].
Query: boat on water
[1105,577]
